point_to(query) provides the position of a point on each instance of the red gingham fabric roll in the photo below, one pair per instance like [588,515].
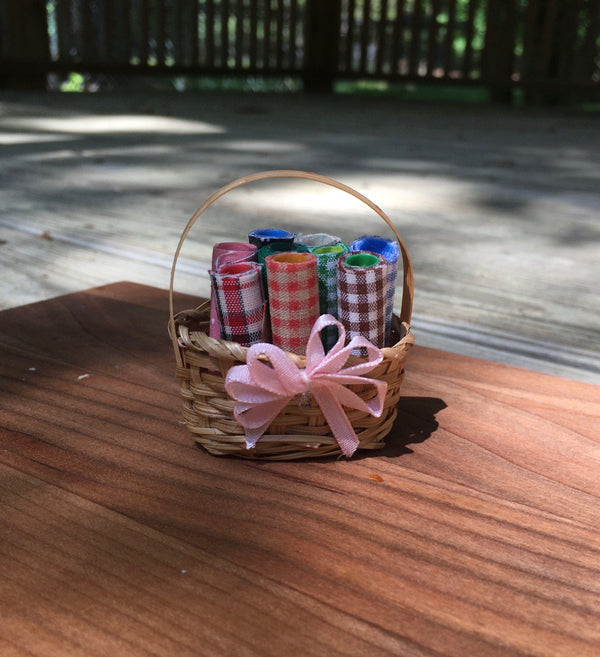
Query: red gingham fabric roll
[293,290]
[240,303]
[226,253]
[362,291]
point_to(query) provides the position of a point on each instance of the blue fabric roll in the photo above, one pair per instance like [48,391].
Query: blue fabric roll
[265,236]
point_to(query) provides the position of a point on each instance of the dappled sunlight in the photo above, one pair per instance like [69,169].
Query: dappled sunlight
[261,146]
[498,209]
[114,124]
[16,138]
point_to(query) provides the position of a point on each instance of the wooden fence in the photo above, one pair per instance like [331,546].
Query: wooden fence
[543,45]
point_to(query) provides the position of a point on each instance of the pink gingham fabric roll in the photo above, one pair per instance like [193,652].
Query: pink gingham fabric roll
[362,291]
[240,303]
[226,253]
[293,290]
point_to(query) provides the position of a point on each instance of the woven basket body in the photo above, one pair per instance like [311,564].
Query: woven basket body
[300,430]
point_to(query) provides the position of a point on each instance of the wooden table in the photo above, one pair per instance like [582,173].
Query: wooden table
[475,532]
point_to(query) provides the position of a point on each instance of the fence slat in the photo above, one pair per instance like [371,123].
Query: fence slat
[224,9]
[239,34]
[449,59]
[469,32]
[432,37]
[296,31]
[398,38]
[127,43]
[529,34]
[364,35]
[547,37]
[210,30]
[110,42]
[590,51]
[567,39]
[145,32]
[350,36]
[381,27]
[278,34]
[415,39]
[88,40]
[498,55]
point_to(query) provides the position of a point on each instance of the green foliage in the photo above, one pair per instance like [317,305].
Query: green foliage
[74,83]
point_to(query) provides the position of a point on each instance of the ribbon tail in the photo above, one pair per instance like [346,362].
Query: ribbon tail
[256,418]
[338,421]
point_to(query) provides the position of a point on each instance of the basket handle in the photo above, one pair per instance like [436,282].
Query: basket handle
[408,281]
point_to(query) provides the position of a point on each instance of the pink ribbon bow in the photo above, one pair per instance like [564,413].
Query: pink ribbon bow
[262,390]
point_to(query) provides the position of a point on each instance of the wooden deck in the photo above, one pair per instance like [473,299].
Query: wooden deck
[498,206]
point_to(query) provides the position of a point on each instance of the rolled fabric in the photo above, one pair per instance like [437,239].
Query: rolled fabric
[272,249]
[315,240]
[279,247]
[265,236]
[327,257]
[226,253]
[362,287]
[240,303]
[293,288]
[390,250]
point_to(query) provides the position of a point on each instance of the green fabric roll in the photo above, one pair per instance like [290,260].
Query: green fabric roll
[327,257]
[327,271]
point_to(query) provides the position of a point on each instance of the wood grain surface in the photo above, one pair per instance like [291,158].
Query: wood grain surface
[474,532]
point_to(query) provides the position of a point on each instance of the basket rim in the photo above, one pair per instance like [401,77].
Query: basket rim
[199,340]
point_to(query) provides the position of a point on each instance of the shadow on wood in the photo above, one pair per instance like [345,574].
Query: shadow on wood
[415,423]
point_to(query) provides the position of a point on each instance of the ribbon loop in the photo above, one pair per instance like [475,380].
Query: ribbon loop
[270,379]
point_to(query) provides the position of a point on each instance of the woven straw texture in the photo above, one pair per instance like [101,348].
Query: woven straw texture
[300,430]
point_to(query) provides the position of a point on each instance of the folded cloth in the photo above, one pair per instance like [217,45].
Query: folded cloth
[226,253]
[240,303]
[293,289]
[362,287]
[390,250]
[314,240]
[267,235]
[327,257]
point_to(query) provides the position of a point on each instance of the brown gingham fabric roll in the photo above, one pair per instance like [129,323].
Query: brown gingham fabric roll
[362,294]
[293,290]
[240,303]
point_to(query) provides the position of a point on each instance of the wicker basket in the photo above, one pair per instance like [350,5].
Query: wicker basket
[300,430]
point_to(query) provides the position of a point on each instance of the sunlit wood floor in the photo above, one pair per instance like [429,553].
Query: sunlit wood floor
[499,207]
